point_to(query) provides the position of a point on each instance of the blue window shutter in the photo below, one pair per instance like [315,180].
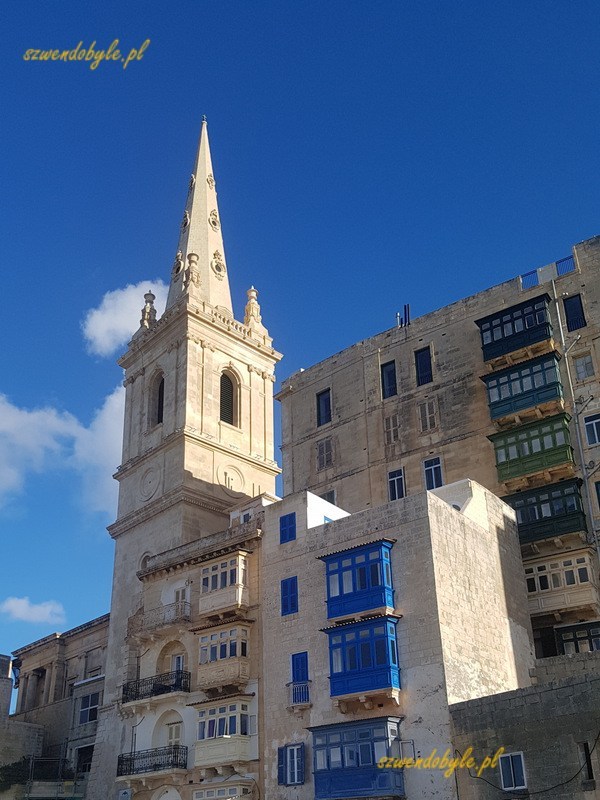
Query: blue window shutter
[301,764]
[293,594]
[285,597]
[289,596]
[287,528]
[281,776]
[299,667]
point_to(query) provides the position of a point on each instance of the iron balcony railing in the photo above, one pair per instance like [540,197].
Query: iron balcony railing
[161,758]
[156,685]
[299,693]
[163,615]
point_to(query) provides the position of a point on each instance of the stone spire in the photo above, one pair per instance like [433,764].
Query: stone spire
[199,270]
[148,311]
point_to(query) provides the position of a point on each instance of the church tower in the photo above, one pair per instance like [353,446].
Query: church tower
[197,439]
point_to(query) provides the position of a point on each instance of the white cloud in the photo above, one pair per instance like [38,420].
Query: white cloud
[48,440]
[110,326]
[22,609]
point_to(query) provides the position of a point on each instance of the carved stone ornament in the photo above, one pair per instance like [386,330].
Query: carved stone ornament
[178,263]
[192,182]
[210,180]
[213,220]
[218,265]
[185,221]
[149,483]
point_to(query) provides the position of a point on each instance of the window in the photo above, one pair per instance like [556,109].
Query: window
[324,454]
[88,710]
[423,366]
[592,429]
[328,496]
[289,596]
[574,312]
[523,379]
[157,400]
[531,440]
[584,367]
[173,733]
[228,643]
[597,485]
[512,771]
[177,662]
[290,765]
[359,579]
[225,792]
[514,321]
[287,528]
[363,656]
[391,428]
[426,414]
[221,574]
[433,473]
[324,407]
[559,574]
[232,719]
[539,504]
[299,685]
[579,638]
[396,484]
[227,412]
[388,380]
[353,745]
[585,758]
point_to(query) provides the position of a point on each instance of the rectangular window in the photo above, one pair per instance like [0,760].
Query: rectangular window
[324,407]
[287,528]
[558,500]
[529,320]
[531,440]
[592,429]
[328,496]
[221,574]
[88,710]
[289,596]
[426,413]
[396,484]
[290,765]
[423,366]
[584,367]
[574,571]
[227,643]
[353,744]
[359,579]
[584,638]
[512,771]
[585,758]
[388,380]
[391,428]
[230,719]
[324,454]
[433,473]
[574,312]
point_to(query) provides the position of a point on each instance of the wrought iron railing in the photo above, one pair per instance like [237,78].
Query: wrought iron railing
[164,615]
[156,685]
[299,693]
[161,758]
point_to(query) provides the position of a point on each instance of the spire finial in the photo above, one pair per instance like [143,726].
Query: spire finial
[148,311]
[204,118]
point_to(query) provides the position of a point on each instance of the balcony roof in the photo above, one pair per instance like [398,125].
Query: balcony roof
[356,547]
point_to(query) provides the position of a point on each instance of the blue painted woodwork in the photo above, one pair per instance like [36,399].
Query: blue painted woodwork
[359,579]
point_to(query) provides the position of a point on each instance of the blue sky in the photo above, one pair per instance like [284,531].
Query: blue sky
[367,155]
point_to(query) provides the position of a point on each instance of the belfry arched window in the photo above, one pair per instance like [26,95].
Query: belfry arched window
[229,399]
[156,405]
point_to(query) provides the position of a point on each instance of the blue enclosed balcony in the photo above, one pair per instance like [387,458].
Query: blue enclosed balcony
[549,512]
[363,657]
[531,386]
[359,579]
[346,758]
[521,330]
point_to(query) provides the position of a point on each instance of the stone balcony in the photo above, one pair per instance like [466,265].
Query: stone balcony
[223,751]
[224,601]
[577,597]
[145,623]
[225,672]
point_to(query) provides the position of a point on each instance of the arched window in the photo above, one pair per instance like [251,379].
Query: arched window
[228,400]
[156,400]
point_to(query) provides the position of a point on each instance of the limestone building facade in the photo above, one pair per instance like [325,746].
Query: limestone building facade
[502,385]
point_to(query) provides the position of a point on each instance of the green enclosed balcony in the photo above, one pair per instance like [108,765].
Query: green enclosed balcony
[533,448]
[519,329]
[532,386]
[548,512]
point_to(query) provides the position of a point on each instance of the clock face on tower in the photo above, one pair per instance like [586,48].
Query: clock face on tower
[230,479]
[149,483]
